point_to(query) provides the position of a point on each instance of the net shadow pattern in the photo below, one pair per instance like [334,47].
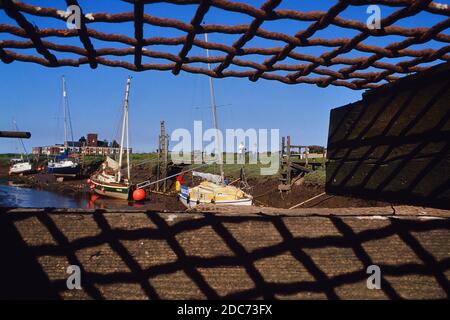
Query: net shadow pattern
[381,147]
[323,281]
[238,59]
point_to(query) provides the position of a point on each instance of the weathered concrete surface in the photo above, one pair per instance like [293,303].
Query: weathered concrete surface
[141,255]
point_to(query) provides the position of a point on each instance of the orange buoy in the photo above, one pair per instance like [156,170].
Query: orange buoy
[94,197]
[139,195]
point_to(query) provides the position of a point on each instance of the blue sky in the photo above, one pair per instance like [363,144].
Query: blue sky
[32,94]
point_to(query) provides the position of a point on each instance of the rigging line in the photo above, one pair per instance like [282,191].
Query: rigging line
[147,183]
[210,107]
[21,140]
[16,145]
[119,116]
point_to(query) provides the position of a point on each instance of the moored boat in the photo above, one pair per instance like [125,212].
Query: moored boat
[213,189]
[62,166]
[109,181]
[20,166]
[209,192]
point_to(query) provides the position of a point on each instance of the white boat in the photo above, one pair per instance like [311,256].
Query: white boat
[213,189]
[109,181]
[20,166]
[211,193]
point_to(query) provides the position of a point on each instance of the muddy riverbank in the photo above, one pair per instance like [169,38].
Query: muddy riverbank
[264,189]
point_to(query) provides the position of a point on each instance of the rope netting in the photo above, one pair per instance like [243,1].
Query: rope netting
[369,65]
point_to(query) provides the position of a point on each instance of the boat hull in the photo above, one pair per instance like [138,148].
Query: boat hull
[64,171]
[111,190]
[192,203]
[16,172]
[22,168]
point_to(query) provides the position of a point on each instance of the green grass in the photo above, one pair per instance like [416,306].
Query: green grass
[135,158]
[142,157]
[6,157]
[233,170]
[316,178]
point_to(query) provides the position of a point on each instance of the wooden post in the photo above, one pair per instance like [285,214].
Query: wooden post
[158,167]
[163,155]
[306,155]
[288,162]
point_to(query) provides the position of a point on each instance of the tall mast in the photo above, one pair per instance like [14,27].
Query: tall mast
[214,114]
[128,148]
[65,110]
[124,126]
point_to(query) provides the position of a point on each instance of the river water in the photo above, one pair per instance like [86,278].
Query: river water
[21,196]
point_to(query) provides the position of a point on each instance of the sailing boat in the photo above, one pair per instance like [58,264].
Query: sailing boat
[20,166]
[110,182]
[61,166]
[213,189]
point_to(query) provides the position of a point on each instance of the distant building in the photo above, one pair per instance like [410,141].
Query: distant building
[92,140]
[89,146]
[59,149]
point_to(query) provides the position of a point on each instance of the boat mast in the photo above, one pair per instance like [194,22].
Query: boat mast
[128,148]
[124,126]
[65,111]
[214,114]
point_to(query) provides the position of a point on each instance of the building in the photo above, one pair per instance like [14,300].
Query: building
[85,150]
[89,146]
[92,140]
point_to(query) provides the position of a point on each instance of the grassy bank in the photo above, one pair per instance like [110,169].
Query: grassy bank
[6,157]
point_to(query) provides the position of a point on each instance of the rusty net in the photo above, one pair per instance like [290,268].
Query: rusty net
[368,67]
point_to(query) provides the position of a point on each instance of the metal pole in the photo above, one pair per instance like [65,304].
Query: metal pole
[214,113]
